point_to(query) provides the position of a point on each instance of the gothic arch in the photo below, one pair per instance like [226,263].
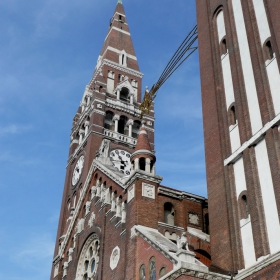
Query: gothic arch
[89,258]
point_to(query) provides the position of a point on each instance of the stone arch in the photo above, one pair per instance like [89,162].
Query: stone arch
[89,258]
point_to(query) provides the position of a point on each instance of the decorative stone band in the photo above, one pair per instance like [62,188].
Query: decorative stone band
[261,264]
[143,152]
[120,137]
[198,274]
[254,140]
[181,195]
[125,107]
[115,66]
[170,226]
[139,174]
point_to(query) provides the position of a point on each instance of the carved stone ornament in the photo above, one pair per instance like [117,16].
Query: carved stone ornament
[130,193]
[91,220]
[115,257]
[148,190]
[193,218]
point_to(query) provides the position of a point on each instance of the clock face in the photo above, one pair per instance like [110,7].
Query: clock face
[78,170]
[121,160]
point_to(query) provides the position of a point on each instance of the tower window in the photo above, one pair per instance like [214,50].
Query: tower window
[269,50]
[122,125]
[120,17]
[245,208]
[223,46]
[232,115]
[122,59]
[169,214]
[142,164]
[124,94]
[108,123]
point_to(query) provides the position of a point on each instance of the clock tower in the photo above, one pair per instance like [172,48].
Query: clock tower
[107,122]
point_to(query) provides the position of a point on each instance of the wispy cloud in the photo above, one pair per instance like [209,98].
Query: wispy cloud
[13,129]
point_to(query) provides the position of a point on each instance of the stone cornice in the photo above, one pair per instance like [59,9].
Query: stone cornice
[181,195]
[140,174]
[121,106]
[242,274]
[143,152]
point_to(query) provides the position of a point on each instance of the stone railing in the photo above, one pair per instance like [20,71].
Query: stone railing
[120,137]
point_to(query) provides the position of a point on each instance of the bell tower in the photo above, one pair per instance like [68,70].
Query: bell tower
[108,119]
[239,48]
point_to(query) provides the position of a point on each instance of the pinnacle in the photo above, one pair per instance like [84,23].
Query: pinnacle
[120,1]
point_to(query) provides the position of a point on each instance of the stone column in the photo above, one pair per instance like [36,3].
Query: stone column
[154,169]
[118,94]
[116,120]
[113,202]
[123,213]
[86,127]
[148,165]
[130,124]
[118,204]
[136,164]
[98,190]
[131,98]
[81,132]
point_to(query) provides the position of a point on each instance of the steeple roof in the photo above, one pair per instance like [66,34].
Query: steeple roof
[118,41]
[143,141]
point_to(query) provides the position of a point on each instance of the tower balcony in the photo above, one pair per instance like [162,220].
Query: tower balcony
[115,136]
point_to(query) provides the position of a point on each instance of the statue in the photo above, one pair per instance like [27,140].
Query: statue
[182,243]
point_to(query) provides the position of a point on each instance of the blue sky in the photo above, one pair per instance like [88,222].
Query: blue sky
[48,51]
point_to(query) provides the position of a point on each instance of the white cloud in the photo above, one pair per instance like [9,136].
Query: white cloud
[13,129]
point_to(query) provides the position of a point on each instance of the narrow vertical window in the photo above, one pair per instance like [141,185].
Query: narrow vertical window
[223,46]
[142,272]
[122,59]
[232,115]
[152,269]
[245,206]
[269,50]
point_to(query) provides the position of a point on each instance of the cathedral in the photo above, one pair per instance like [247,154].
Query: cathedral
[117,222]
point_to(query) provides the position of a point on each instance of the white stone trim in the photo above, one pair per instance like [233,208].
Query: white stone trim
[118,52]
[148,191]
[257,137]
[115,257]
[261,264]
[117,29]
[170,226]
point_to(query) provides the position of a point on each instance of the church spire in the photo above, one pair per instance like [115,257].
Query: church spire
[118,46]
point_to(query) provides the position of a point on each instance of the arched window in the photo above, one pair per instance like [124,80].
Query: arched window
[122,125]
[142,272]
[135,128]
[152,269]
[88,260]
[162,271]
[232,115]
[124,94]
[108,122]
[169,214]
[142,164]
